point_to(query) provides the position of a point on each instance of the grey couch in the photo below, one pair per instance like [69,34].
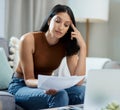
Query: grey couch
[7,100]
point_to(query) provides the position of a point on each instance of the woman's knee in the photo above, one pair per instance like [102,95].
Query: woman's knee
[59,99]
[76,95]
[80,93]
[63,95]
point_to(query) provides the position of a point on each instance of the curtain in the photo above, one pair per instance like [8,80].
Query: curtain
[22,16]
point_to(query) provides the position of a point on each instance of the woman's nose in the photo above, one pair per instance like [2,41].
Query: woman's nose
[61,26]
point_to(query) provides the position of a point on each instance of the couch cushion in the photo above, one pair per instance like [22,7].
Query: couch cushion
[7,101]
[4,44]
[14,52]
[5,70]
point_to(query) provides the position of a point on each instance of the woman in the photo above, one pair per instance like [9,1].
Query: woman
[41,53]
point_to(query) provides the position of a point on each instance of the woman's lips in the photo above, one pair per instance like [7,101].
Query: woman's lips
[58,32]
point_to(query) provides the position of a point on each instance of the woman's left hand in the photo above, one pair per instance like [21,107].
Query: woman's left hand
[80,82]
[77,63]
[76,34]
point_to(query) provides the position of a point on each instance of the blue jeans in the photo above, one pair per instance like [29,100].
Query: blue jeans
[36,98]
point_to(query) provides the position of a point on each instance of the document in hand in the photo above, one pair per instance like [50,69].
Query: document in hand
[58,83]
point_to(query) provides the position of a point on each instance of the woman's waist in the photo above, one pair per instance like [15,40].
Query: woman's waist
[18,75]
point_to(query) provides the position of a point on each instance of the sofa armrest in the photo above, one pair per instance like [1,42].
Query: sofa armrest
[93,63]
[7,101]
[112,65]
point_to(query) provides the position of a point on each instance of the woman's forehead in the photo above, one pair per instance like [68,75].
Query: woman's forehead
[64,16]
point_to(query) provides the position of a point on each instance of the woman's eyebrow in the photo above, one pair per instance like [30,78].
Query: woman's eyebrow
[63,19]
[68,22]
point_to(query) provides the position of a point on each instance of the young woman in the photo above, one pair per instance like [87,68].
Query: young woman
[41,53]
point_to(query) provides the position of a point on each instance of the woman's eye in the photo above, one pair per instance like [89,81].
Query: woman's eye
[67,25]
[57,20]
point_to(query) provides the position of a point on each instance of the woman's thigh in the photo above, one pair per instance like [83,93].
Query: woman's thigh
[31,98]
[34,98]
[26,97]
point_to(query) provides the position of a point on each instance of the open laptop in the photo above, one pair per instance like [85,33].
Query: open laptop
[102,88]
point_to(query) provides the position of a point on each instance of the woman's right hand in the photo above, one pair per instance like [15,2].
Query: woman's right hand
[51,91]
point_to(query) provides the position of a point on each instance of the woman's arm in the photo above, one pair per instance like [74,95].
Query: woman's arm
[77,63]
[26,59]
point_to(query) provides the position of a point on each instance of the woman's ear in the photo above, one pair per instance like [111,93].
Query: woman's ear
[49,21]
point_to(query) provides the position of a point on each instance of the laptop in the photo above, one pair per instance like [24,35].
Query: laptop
[102,88]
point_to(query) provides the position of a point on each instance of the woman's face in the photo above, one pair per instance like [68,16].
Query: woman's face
[59,24]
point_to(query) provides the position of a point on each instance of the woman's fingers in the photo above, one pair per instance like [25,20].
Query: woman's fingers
[73,27]
[51,91]
[77,35]
[74,35]
[75,32]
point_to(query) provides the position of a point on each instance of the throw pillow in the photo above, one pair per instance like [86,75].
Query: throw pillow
[14,51]
[5,70]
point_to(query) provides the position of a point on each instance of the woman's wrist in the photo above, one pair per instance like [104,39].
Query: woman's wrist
[82,50]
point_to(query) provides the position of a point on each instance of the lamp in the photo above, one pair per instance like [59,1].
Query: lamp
[89,11]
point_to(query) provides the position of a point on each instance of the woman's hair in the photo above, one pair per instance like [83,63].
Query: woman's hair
[70,45]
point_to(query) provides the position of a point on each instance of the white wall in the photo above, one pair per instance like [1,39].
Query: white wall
[114,30]
[105,37]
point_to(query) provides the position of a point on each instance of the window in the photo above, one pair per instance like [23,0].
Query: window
[2,17]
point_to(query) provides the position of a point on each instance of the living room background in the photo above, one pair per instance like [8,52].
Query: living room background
[104,37]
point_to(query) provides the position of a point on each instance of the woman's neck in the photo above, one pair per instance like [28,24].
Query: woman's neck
[51,39]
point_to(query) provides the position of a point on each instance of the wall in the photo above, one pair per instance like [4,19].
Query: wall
[105,37]
[114,30]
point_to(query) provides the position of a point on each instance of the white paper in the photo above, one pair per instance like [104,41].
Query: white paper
[57,83]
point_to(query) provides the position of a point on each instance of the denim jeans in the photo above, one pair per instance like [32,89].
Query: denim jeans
[36,98]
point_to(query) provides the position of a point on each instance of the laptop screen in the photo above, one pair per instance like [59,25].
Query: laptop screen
[102,88]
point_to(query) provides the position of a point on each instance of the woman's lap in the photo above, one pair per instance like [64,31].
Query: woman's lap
[34,98]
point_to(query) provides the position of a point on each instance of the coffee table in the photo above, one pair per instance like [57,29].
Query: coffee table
[70,107]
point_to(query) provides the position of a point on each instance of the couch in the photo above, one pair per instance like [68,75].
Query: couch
[7,100]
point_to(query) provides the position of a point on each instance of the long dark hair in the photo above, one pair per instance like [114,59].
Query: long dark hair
[70,45]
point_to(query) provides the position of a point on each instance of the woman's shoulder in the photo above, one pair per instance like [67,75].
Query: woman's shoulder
[30,36]
[27,36]
[27,41]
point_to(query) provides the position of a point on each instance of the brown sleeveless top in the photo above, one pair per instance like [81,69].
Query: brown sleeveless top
[46,57]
